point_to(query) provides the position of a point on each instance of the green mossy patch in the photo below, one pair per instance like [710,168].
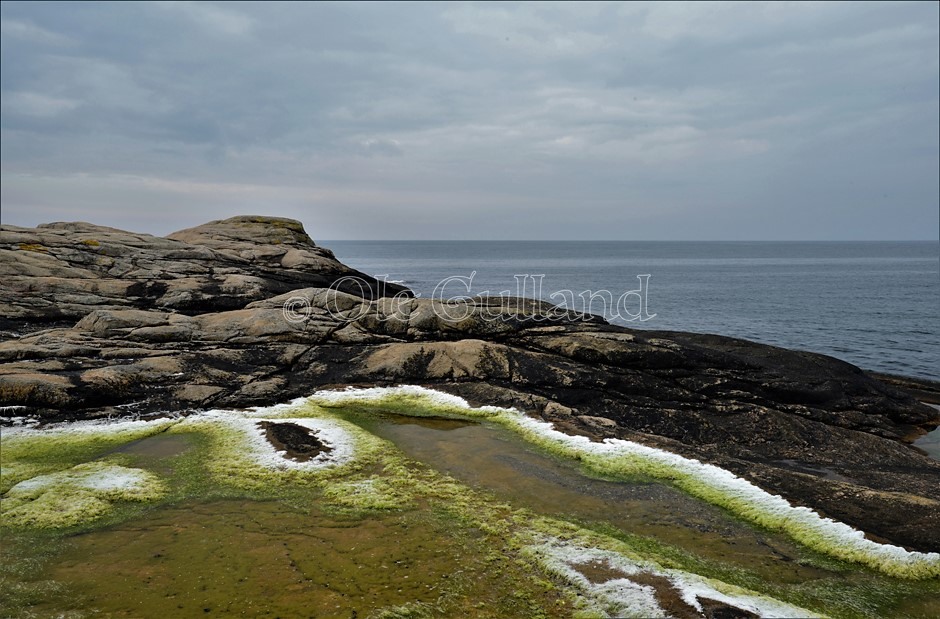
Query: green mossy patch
[229,461]
[26,454]
[84,493]
[631,466]
[495,540]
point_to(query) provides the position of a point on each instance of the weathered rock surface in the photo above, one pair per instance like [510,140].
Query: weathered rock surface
[58,273]
[99,321]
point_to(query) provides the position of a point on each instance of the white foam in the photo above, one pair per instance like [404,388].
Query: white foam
[34,483]
[12,408]
[92,476]
[752,502]
[804,524]
[17,422]
[353,394]
[623,597]
[114,479]
[835,534]
[615,597]
[260,450]
[92,426]
[82,493]
[431,396]
[330,433]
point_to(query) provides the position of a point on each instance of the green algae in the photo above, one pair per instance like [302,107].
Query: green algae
[27,454]
[368,494]
[51,479]
[226,468]
[233,536]
[267,557]
[491,458]
[83,493]
[632,466]
[380,485]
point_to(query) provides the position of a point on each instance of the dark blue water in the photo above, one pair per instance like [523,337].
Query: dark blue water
[874,304]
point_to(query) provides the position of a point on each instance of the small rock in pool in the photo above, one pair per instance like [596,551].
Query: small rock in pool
[300,443]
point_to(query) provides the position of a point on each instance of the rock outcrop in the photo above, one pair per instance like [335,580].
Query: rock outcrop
[57,273]
[249,311]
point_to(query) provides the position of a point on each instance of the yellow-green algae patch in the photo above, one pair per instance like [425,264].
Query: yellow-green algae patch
[28,452]
[238,454]
[416,542]
[80,494]
[265,558]
[624,459]
[358,543]
[519,536]
[366,494]
[379,480]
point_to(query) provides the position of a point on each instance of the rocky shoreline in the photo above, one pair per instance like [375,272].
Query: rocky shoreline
[249,311]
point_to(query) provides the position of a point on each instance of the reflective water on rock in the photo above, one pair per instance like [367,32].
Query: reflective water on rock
[157,447]
[266,559]
[489,458]
[157,452]
[202,553]
[930,443]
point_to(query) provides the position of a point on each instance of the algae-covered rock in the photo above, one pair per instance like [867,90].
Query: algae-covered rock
[77,495]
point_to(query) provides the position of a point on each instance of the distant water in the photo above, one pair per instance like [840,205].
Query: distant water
[874,304]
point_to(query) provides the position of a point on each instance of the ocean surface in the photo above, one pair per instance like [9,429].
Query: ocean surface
[874,304]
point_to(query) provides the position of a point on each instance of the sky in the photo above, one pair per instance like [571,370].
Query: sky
[748,121]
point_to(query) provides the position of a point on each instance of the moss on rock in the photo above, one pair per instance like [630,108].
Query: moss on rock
[83,493]
[620,459]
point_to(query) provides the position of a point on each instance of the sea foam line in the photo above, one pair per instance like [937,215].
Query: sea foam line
[260,450]
[706,481]
[624,597]
[32,428]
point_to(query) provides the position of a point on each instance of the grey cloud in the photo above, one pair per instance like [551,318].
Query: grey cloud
[31,33]
[380,146]
[599,120]
[214,18]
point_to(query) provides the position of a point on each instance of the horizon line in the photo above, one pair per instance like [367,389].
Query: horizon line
[628,240]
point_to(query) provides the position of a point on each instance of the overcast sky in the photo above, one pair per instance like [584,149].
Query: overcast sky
[464,121]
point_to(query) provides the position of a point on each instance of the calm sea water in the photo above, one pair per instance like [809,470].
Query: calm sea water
[874,304]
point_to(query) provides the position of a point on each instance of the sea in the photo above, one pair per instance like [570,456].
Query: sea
[873,304]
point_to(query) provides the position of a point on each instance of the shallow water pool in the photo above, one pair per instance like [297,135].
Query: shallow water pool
[446,518]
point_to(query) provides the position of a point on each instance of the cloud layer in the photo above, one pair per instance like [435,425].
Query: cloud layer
[558,121]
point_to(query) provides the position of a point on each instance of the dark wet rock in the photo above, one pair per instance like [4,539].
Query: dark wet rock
[924,390]
[95,318]
[298,442]
[713,609]
[669,598]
